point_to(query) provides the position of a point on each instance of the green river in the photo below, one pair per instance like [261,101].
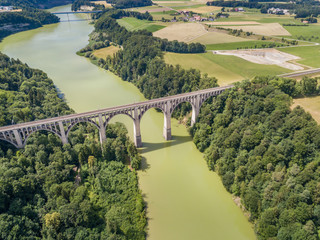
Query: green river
[184,199]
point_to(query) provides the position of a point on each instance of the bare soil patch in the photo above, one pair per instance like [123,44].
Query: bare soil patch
[266,29]
[233,23]
[265,56]
[204,9]
[184,32]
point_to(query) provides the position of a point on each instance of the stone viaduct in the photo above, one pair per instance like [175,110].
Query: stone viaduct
[18,134]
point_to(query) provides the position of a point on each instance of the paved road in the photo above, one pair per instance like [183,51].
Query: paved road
[300,73]
[111,109]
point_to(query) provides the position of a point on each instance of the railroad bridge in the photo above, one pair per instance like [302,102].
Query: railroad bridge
[61,126]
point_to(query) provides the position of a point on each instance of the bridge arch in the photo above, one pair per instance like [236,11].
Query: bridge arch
[77,121]
[8,141]
[29,133]
[117,115]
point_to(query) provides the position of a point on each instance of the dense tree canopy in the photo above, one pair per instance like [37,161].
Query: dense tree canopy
[266,153]
[54,191]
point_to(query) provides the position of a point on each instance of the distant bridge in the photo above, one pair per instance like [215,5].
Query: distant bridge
[77,12]
[61,126]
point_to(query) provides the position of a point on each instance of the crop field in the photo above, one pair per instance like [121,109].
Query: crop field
[198,61]
[218,37]
[239,45]
[133,24]
[233,23]
[310,104]
[104,3]
[266,29]
[310,56]
[184,32]
[202,9]
[104,52]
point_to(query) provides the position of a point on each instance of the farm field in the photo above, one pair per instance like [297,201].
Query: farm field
[240,45]
[218,37]
[104,3]
[233,23]
[184,32]
[310,104]
[133,24]
[197,61]
[310,56]
[202,9]
[267,29]
[104,52]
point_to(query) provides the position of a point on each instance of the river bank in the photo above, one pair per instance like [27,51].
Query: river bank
[185,200]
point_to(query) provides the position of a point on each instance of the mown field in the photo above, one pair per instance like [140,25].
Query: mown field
[311,105]
[133,24]
[104,52]
[310,56]
[309,33]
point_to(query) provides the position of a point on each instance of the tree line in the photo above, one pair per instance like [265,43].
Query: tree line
[266,153]
[301,9]
[52,191]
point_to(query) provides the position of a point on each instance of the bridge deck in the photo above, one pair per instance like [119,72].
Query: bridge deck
[100,111]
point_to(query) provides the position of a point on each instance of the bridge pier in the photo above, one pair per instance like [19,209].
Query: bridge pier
[63,137]
[18,139]
[167,126]
[136,129]
[102,130]
[195,110]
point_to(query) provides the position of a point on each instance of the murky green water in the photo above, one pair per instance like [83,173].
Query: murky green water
[185,200]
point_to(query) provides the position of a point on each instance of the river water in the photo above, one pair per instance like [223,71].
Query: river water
[185,200]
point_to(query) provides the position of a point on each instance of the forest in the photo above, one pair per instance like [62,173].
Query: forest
[302,9]
[52,191]
[266,153]
[28,18]
[34,3]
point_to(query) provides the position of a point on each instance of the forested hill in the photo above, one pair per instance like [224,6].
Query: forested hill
[12,22]
[75,191]
[34,3]
[267,154]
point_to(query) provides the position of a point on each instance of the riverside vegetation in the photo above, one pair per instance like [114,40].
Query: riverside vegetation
[266,154]
[75,191]
[29,17]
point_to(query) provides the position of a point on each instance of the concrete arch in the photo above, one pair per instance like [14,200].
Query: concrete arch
[173,107]
[8,141]
[115,115]
[24,142]
[150,107]
[80,121]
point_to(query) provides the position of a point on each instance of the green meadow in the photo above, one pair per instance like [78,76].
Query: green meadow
[240,45]
[133,24]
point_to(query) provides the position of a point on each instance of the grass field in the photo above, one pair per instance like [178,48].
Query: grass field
[133,24]
[311,105]
[104,52]
[218,37]
[226,69]
[244,68]
[309,33]
[198,61]
[238,45]
[310,56]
